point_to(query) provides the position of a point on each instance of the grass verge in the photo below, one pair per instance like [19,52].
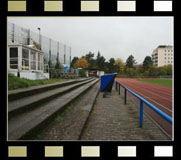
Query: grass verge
[16,82]
[161,82]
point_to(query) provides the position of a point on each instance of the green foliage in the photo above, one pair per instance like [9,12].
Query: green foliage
[82,73]
[90,59]
[130,62]
[111,68]
[74,60]
[165,70]
[146,73]
[153,71]
[169,69]
[16,82]
[50,64]
[100,61]
[147,63]
[58,65]
[45,60]
[131,72]
[162,71]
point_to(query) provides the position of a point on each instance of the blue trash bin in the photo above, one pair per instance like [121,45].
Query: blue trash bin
[107,82]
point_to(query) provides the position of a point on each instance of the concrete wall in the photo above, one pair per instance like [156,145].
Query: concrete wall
[32,76]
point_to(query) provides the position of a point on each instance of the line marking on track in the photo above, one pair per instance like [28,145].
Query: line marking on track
[140,83]
[153,101]
[153,93]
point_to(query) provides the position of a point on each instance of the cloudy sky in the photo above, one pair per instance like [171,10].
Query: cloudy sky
[116,37]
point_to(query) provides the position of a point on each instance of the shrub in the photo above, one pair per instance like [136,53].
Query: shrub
[82,73]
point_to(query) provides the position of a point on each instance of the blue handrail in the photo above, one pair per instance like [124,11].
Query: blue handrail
[161,113]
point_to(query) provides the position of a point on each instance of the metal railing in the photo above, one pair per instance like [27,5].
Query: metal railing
[58,73]
[142,100]
[13,64]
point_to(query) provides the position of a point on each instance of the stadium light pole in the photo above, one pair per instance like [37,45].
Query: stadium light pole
[39,37]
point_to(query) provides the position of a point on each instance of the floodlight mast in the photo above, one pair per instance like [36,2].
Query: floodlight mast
[39,37]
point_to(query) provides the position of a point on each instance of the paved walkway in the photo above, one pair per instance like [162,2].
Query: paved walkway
[112,120]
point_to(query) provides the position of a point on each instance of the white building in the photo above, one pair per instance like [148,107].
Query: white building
[26,61]
[162,55]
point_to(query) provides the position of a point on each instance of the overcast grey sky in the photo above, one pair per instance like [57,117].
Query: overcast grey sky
[116,37]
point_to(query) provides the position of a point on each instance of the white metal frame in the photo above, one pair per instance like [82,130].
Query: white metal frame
[21,60]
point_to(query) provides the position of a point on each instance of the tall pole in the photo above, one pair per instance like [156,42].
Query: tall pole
[39,37]
[50,65]
[49,50]
[57,51]
[28,39]
[64,54]
[70,55]
[13,35]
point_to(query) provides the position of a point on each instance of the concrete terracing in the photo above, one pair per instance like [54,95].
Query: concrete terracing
[70,124]
[35,112]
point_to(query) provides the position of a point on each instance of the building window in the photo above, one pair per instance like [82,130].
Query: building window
[165,54]
[168,61]
[25,59]
[13,58]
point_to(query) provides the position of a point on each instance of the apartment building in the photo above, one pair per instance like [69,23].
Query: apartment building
[162,55]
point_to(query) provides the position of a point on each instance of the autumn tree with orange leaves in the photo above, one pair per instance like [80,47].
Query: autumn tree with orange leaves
[81,63]
[119,65]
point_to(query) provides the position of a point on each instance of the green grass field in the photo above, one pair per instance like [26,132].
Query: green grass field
[16,82]
[161,82]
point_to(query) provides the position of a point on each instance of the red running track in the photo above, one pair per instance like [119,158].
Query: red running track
[160,96]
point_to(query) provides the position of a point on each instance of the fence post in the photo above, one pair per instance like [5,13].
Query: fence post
[125,96]
[119,88]
[116,86]
[141,113]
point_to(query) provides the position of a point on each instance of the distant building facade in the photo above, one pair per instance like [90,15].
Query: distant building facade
[162,55]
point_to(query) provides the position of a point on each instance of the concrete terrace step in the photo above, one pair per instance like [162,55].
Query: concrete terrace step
[27,123]
[24,92]
[20,105]
[76,130]
[70,124]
